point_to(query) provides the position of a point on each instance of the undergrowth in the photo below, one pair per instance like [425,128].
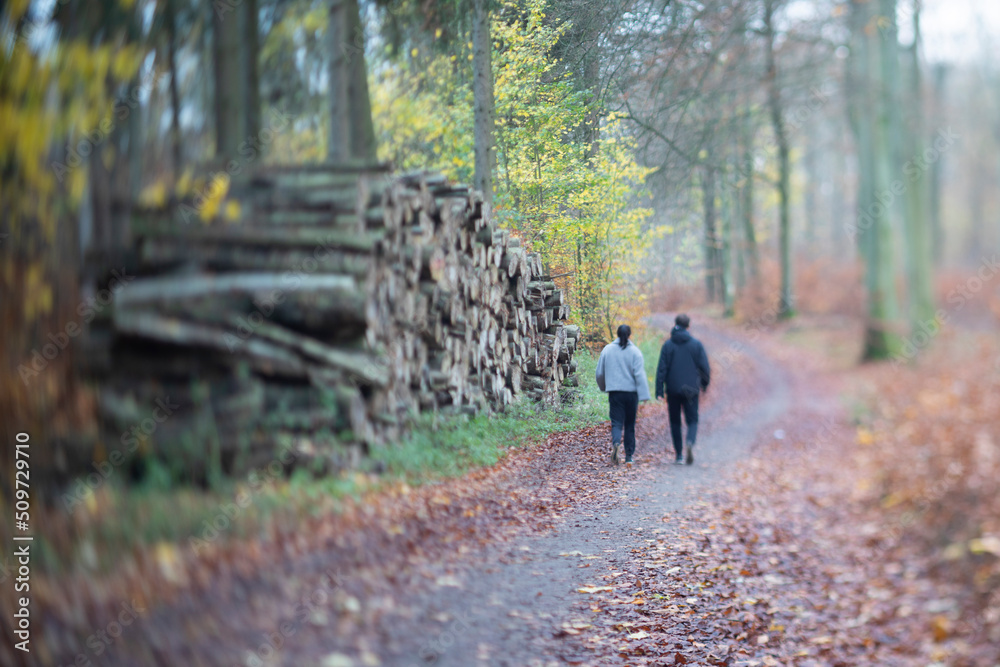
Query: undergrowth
[117,517]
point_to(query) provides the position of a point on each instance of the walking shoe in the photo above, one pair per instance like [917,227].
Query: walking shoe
[679,461]
[628,460]
[690,455]
[614,452]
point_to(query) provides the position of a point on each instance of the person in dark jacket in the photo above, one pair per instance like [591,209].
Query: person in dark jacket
[682,373]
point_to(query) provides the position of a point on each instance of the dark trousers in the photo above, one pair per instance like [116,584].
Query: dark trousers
[689,404]
[623,406]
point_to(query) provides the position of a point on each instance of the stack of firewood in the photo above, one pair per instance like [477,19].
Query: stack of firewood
[341,303]
[466,318]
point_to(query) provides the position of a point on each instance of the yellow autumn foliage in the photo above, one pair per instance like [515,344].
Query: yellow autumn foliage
[582,209]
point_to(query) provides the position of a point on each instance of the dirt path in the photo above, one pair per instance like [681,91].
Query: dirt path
[511,609]
[480,571]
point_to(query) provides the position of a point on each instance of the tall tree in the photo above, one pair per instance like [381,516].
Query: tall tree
[230,117]
[786,305]
[170,35]
[482,87]
[937,171]
[747,203]
[712,274]
[919,260]
[250,66]
[870,119]
[352,132]
[725,249]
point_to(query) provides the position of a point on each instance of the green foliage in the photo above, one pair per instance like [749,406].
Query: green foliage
[292,64]
[424,116]
[569,196]
[567,180]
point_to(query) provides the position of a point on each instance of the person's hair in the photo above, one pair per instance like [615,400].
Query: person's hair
[683,321]
[624,331]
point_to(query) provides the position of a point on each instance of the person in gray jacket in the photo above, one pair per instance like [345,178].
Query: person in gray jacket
[621,373]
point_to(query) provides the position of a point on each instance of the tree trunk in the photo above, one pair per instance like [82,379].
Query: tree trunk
[230,127]
[811,208]
[338,144]
[352,133]
[919,262]
[725,254]
[251,74]
[736,231]
[884,340]
[482,87]
[937,171]
[711,238]
[860,108]
[126,193]
[870,120]
[786,306]
[749,234]
[175,98]
[135,148]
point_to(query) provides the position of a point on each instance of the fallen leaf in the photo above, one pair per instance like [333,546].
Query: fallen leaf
[594,589]
[941,628]
[985,545]
[338,660]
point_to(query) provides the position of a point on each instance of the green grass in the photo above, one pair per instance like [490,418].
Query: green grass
[452,447]
[650,347]
[456,446]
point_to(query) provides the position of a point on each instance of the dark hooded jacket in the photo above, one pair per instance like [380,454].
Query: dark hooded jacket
[683,367]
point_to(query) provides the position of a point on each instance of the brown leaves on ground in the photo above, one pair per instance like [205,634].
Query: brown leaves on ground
[868,543]
[377,543]
[869,538]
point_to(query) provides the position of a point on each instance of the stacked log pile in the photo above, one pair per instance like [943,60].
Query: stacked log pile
[342,303]
[465,316]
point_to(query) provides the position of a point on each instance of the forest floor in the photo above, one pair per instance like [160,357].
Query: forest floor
[777,547]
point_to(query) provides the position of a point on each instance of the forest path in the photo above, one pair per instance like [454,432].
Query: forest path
[484,570]
[512,608]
